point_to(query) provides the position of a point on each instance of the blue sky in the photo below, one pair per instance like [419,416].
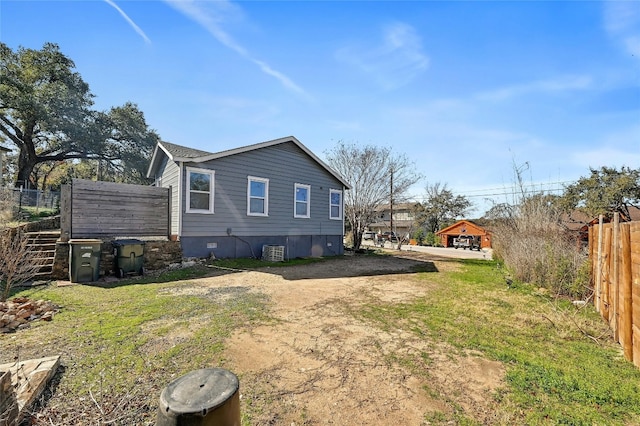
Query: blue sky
[467,90]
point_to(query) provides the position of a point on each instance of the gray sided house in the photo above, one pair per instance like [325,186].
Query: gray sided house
[232,203]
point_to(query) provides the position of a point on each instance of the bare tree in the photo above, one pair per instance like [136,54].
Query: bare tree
[377,176]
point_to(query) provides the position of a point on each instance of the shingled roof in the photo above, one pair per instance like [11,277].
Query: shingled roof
[180,153]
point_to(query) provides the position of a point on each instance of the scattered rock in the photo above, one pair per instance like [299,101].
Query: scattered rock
[20,311]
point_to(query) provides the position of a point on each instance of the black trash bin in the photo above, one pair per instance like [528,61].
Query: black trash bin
[206,397]
[84,260]
[129,256]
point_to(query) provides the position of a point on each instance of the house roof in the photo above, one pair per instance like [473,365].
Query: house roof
[578,220]
[457,224]
[180,153]
[397,207]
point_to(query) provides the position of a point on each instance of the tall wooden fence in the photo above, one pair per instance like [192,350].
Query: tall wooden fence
[614,249]
[91,209]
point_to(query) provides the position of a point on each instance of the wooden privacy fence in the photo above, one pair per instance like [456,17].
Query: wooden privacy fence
[614,250]
[91,209]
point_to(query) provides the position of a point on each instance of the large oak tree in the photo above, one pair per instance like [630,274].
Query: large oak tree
[46,112]
[605,191]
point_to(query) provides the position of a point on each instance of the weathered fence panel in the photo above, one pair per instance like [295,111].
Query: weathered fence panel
[105,209]
[614,250]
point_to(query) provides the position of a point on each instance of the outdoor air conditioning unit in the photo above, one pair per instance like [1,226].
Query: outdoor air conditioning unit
[272,253]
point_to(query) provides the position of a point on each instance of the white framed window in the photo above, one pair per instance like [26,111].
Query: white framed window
[257,196]
[200,190]
[302,201]
[335,204]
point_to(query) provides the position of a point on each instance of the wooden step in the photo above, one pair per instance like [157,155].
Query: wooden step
[44,243]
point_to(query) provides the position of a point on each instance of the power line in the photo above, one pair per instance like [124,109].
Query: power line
[496,194]
[531,188]
[525,185]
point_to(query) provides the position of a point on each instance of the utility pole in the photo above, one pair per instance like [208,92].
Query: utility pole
[391,200]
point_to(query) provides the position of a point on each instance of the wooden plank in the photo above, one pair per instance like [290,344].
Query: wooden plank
[615,278]
[626,284]
[606,274]
[29,379]
[8,403]
[94,200]
[636,346]
[83,184]
[598,295]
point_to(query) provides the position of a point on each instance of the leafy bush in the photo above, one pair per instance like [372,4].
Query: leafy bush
[419,236]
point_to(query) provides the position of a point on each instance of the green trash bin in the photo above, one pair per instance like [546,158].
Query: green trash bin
[84,260]
[129,257]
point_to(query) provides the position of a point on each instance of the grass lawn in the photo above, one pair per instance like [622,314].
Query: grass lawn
[562,366]
[121,344]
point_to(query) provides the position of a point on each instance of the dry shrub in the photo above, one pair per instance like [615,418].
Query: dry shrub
[536,248]
[19,262]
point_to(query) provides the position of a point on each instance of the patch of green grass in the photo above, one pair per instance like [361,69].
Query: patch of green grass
[37,213]
[148,331]
[554,373]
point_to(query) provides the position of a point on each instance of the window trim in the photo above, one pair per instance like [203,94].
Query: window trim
[307,215]
[266,195]
[211,192]
[340,206]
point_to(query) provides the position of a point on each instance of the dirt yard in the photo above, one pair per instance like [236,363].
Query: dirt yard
[316,364]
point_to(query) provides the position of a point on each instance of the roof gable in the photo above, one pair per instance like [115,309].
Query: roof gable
[180,153]
[462,227]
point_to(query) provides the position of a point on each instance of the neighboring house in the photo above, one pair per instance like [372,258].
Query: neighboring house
[232,203]
[579,222]
[464,227]
[3,150]
[403,219]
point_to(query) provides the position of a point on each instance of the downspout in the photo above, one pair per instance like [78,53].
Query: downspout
[344,214]
[181,185]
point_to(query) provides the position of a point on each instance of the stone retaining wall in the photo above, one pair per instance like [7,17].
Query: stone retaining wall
[157,255]
[48,224]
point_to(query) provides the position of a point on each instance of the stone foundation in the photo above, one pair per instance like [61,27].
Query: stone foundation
[157,255]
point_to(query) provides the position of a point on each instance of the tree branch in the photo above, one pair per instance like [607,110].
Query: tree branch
[17,136]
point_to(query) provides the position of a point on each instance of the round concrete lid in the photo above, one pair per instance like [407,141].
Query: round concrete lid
[199,391]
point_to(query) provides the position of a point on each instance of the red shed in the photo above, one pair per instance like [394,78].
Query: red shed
[464,227]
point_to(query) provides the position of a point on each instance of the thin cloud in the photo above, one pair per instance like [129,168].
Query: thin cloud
[606,156]
[622,23]
[211,15]
[558,85]
[129,20]
[395,62]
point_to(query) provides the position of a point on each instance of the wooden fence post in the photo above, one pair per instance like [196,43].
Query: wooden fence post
[615,279]
[65,213]
[598,298]
[626,318]
[635,289]
[605,296]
